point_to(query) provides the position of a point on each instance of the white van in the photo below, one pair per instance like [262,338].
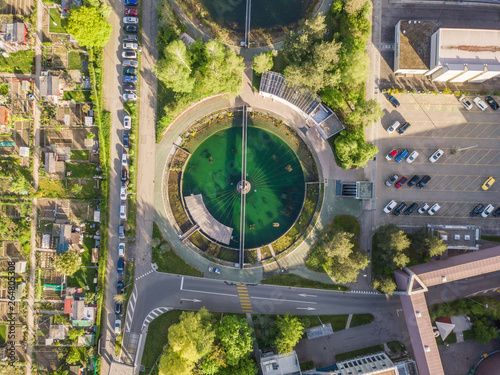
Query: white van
[124,160]
[393,127]
[121,250]
[123,214]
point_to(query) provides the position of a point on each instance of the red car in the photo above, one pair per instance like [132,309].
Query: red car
[131,12]
[401,182]
[391,155]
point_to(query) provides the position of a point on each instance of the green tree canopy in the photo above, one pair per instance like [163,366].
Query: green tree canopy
[68,263]
[236,337]
[385,284]
[172,363]
[392,243]
[246,366]
[484,330]
[435,245]
[352,150]
[365,113]
[73,334]
[74,356]
[289,331]
[262,62]
[89,26]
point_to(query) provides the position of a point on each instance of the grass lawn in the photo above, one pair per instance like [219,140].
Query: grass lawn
[169,261]
[82,278]
[361,319]
[469,335]
[78,96]
[396,346]
[338,322]
[57,24]
[355,353]
[80,155]
[17,62]
[300,282]
[491,238]
[75,59]
[304,366]
[3,334]
[52,188]
[157,338]
[88,244]
[451,339]
[80,170]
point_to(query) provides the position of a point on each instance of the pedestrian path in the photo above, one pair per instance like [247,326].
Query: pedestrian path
[246,305]
[348,324]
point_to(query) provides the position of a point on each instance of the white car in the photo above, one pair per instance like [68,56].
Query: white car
[423,208]
[118,326]
[412,157]
[480,104]
[129,96]
[123,193]
[393,127]
[435,208]
[124,160]
[123,211]
[121,249]
[436,155]
[487,211]
[466,103]
[390,206]
[132,46]
[127,122]
[130,63]
[130,20]
[128,54]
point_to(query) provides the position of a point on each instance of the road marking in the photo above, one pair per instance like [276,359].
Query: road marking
[307,295]
[182,282]
[306,308]
[213,293]
[245,303]
[283,300]
[191,300]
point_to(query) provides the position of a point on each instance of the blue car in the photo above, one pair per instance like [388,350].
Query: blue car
[402,155]
[121,265]
[126,140]
[131,3]
[129,79]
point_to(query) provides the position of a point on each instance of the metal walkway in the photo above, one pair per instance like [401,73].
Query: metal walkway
[243,178]
[247,23]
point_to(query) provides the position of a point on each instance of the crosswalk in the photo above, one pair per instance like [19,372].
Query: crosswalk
[153,315]
[246,306]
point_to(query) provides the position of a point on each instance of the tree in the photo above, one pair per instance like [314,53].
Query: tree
[484,330]
[68,263]
[289,331]
[120,298]
[73,356]
[262,62]
[246,366]
[236,338]
[214,361]
[391,244]
[354,6]
[172,363]
[385,284]
[365,113]
[89,26]
[352,150]
[174,70]
[73,334]
[435,245]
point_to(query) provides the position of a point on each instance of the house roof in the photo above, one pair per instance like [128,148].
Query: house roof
[50,162]
[4,115]
[78,310]
[14,32]
[68,306]
[49,86]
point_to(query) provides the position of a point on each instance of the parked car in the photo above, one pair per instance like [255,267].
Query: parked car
[121,232]
[404,128]
[123,211]
[391,180]
[130,20]
[476,210]
[436,155]
[399,209]
[435,208]
[412,157]
[214,269]
[129,79]
[488,183]
[129,55]
[131,29]
[129,96]
[480,104]
[496,213]
[130,63]
[466,103]
[390,206]
[130,38]
[487,210]
[130,71]
[127,122]
[124,160]
[131,12]
[126,140]
[393,127]
[393,101]
[121,250]
[118,308]
[130,45]
[119,287]
[424,207]
[492,102]
[121,266]
[123,193]
[129,88]
[401,155]
[391,154]
[130,3]
[413,180]
[118,326]
[423,181]
[401,182]
[410,209]
[124,176]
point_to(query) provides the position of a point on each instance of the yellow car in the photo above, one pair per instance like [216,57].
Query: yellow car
[488,183]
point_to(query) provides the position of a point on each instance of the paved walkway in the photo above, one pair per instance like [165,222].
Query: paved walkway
[293,262]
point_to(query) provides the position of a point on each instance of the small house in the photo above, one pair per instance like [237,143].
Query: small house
[4,115]
[14,34]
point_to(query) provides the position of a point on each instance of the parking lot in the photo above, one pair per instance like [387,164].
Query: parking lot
[440,122]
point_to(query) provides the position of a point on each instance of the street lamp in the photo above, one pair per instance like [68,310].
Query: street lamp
[477,302]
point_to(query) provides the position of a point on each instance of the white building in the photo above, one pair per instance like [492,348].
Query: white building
[279,364]
[372,364]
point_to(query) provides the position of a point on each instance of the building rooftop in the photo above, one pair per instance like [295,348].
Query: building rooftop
[459,237]
[280,364]
[415,43]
